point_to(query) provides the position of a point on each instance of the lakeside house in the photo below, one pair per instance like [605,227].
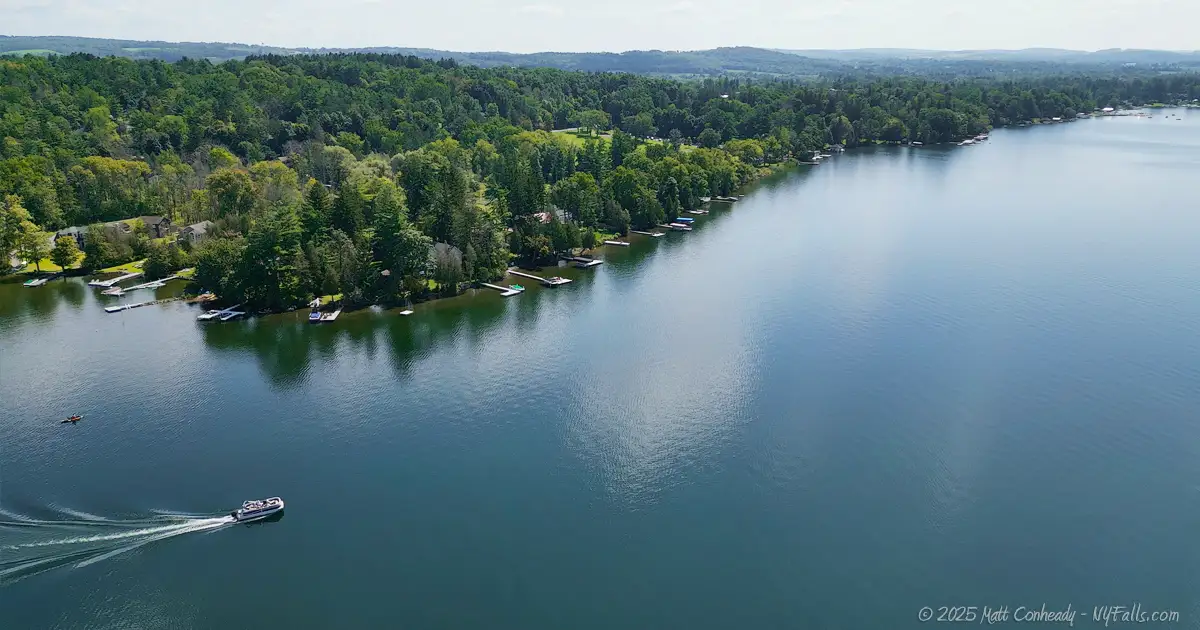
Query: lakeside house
[195,232]
[74,232]
[156,226]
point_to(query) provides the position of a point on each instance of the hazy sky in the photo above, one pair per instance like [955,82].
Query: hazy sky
[617,25]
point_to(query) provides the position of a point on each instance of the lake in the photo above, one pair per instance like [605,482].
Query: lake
[937,376]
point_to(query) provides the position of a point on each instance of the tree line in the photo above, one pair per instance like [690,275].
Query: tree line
[385,177]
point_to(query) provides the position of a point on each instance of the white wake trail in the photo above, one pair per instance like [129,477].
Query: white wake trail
[85,548]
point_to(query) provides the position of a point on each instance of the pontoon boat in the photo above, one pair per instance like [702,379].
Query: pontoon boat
[256,510]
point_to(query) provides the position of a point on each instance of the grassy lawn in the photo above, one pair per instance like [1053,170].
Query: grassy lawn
[578,139]
[46,265]
[128,267]
[188,273]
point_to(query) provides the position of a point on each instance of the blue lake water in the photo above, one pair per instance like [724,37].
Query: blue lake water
[905,378]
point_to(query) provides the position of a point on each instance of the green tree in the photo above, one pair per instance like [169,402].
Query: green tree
[710,138]
[314,212]
[639,126]
[594,121]
[578,196]
[230,191]
[217,261]
[65,253]
[13,216]
[33,244]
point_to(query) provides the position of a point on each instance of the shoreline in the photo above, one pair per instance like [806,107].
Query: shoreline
[760,172]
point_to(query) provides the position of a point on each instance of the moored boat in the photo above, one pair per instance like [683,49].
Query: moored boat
[256,510]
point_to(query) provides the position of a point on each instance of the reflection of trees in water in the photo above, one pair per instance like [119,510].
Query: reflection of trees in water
[286,345]
[280,347]
[470,316]
[27,306]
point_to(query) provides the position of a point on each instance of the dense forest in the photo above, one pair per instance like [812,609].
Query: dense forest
[384,178]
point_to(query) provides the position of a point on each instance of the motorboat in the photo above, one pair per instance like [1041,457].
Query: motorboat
[72,420]
[257,510]
[516,287]
[314,316]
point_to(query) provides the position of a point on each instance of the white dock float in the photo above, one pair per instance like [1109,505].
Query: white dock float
[153,284]
[108,283]
[504,291]
[550,282]
[220,314]
[617,243]
[125,307]
[406,312]
[329,317]
[650,234]
[585,263]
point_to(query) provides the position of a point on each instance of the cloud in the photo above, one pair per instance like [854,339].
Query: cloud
[542,9]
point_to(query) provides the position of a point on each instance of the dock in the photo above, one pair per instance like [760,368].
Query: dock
[678,227]
[329,317]
[153,284]
[550,282]
[406,312]
[651,234]
[701,212]
[726,199]
[221,314]
[585,263]
[109,283]
[125,307]
[617,243]
[504,291]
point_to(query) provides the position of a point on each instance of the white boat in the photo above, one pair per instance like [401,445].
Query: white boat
[257,510]
[37,282]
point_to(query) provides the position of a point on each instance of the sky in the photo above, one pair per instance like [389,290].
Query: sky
[619,25]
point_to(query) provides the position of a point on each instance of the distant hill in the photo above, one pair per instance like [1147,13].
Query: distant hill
[1024,55]
[169,51]
[718,61]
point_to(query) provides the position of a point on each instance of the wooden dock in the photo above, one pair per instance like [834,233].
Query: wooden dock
[677,227]
[550,282]
[617,243]
[585,263]
[644,233]
[109,283]
[504,291]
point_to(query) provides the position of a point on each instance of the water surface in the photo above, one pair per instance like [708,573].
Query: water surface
[905,378]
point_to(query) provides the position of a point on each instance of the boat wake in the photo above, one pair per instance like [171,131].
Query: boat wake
[29,546]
